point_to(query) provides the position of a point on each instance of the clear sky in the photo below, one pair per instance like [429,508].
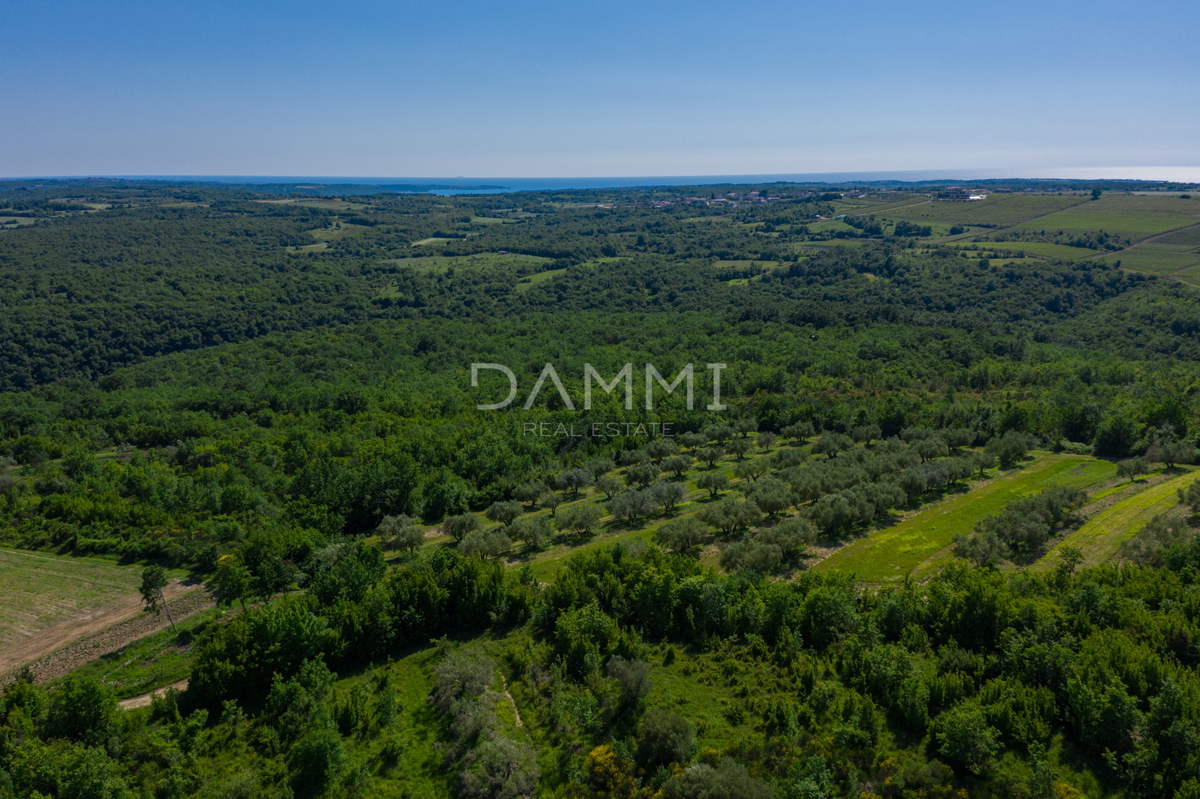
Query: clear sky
[511,88]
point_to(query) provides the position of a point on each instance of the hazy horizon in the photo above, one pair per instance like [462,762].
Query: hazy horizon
[543,89]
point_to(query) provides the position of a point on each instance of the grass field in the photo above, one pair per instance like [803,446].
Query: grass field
[918,543]
[1101,536]
[527,283]
[1042,248]
[39,591]
[485,260]
[150,662]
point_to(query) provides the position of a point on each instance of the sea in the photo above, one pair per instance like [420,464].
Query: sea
[501,185]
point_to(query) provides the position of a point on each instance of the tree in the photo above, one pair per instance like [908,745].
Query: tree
[752,469]
[798,432]
[532,531]
[485,543]
[599,467]
[154,580]
[668,495]
[713,482]
[1132,467]
[691,440]
[530,492]
[831,444]
[632,678]
[316,761]
[727,780]
[765,440]
[581,520]
[661,448]
[499,768]
[401,532]
[458,527]
[608,486]
[740,446]
[632,457]
[81,709]
[966,739]
[232,580]
[709,455]
[632,505]
[503,512]
[730,515]
[681,535]
[678,464]
[745,427]
[641,476]
[866,433]
[574,480]
[1190,495]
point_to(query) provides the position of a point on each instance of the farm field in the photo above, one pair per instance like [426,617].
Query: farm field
[49,600]
[997,209]
[39,591]
[1157,259]
[1100,537]
[1133,226]
[918,543]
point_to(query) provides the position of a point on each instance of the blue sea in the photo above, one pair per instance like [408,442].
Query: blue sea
[500,185]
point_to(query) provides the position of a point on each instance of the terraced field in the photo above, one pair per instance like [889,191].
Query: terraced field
[922,541]
[1101,536]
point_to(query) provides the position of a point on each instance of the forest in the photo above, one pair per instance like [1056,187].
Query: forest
[271,394]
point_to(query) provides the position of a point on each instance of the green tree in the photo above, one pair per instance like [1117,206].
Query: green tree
[965,738]
[154,580]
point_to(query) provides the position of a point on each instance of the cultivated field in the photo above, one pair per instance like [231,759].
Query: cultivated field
[997,209]
[47,601]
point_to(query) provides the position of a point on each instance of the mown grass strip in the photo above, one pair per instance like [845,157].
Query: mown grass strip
[918,543]
[1101,536]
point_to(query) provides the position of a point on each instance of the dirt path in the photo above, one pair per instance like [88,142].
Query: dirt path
[507,695]
[144,700]
[55,652]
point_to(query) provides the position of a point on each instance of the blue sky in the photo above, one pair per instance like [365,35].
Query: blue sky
[490,89]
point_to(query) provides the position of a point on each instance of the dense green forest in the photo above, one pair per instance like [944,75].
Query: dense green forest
[428,599]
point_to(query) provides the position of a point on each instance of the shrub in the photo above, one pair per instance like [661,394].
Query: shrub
[664,738]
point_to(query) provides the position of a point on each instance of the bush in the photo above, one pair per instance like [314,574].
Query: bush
[499,768]
[664,738]
[727,780]
[632,678]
